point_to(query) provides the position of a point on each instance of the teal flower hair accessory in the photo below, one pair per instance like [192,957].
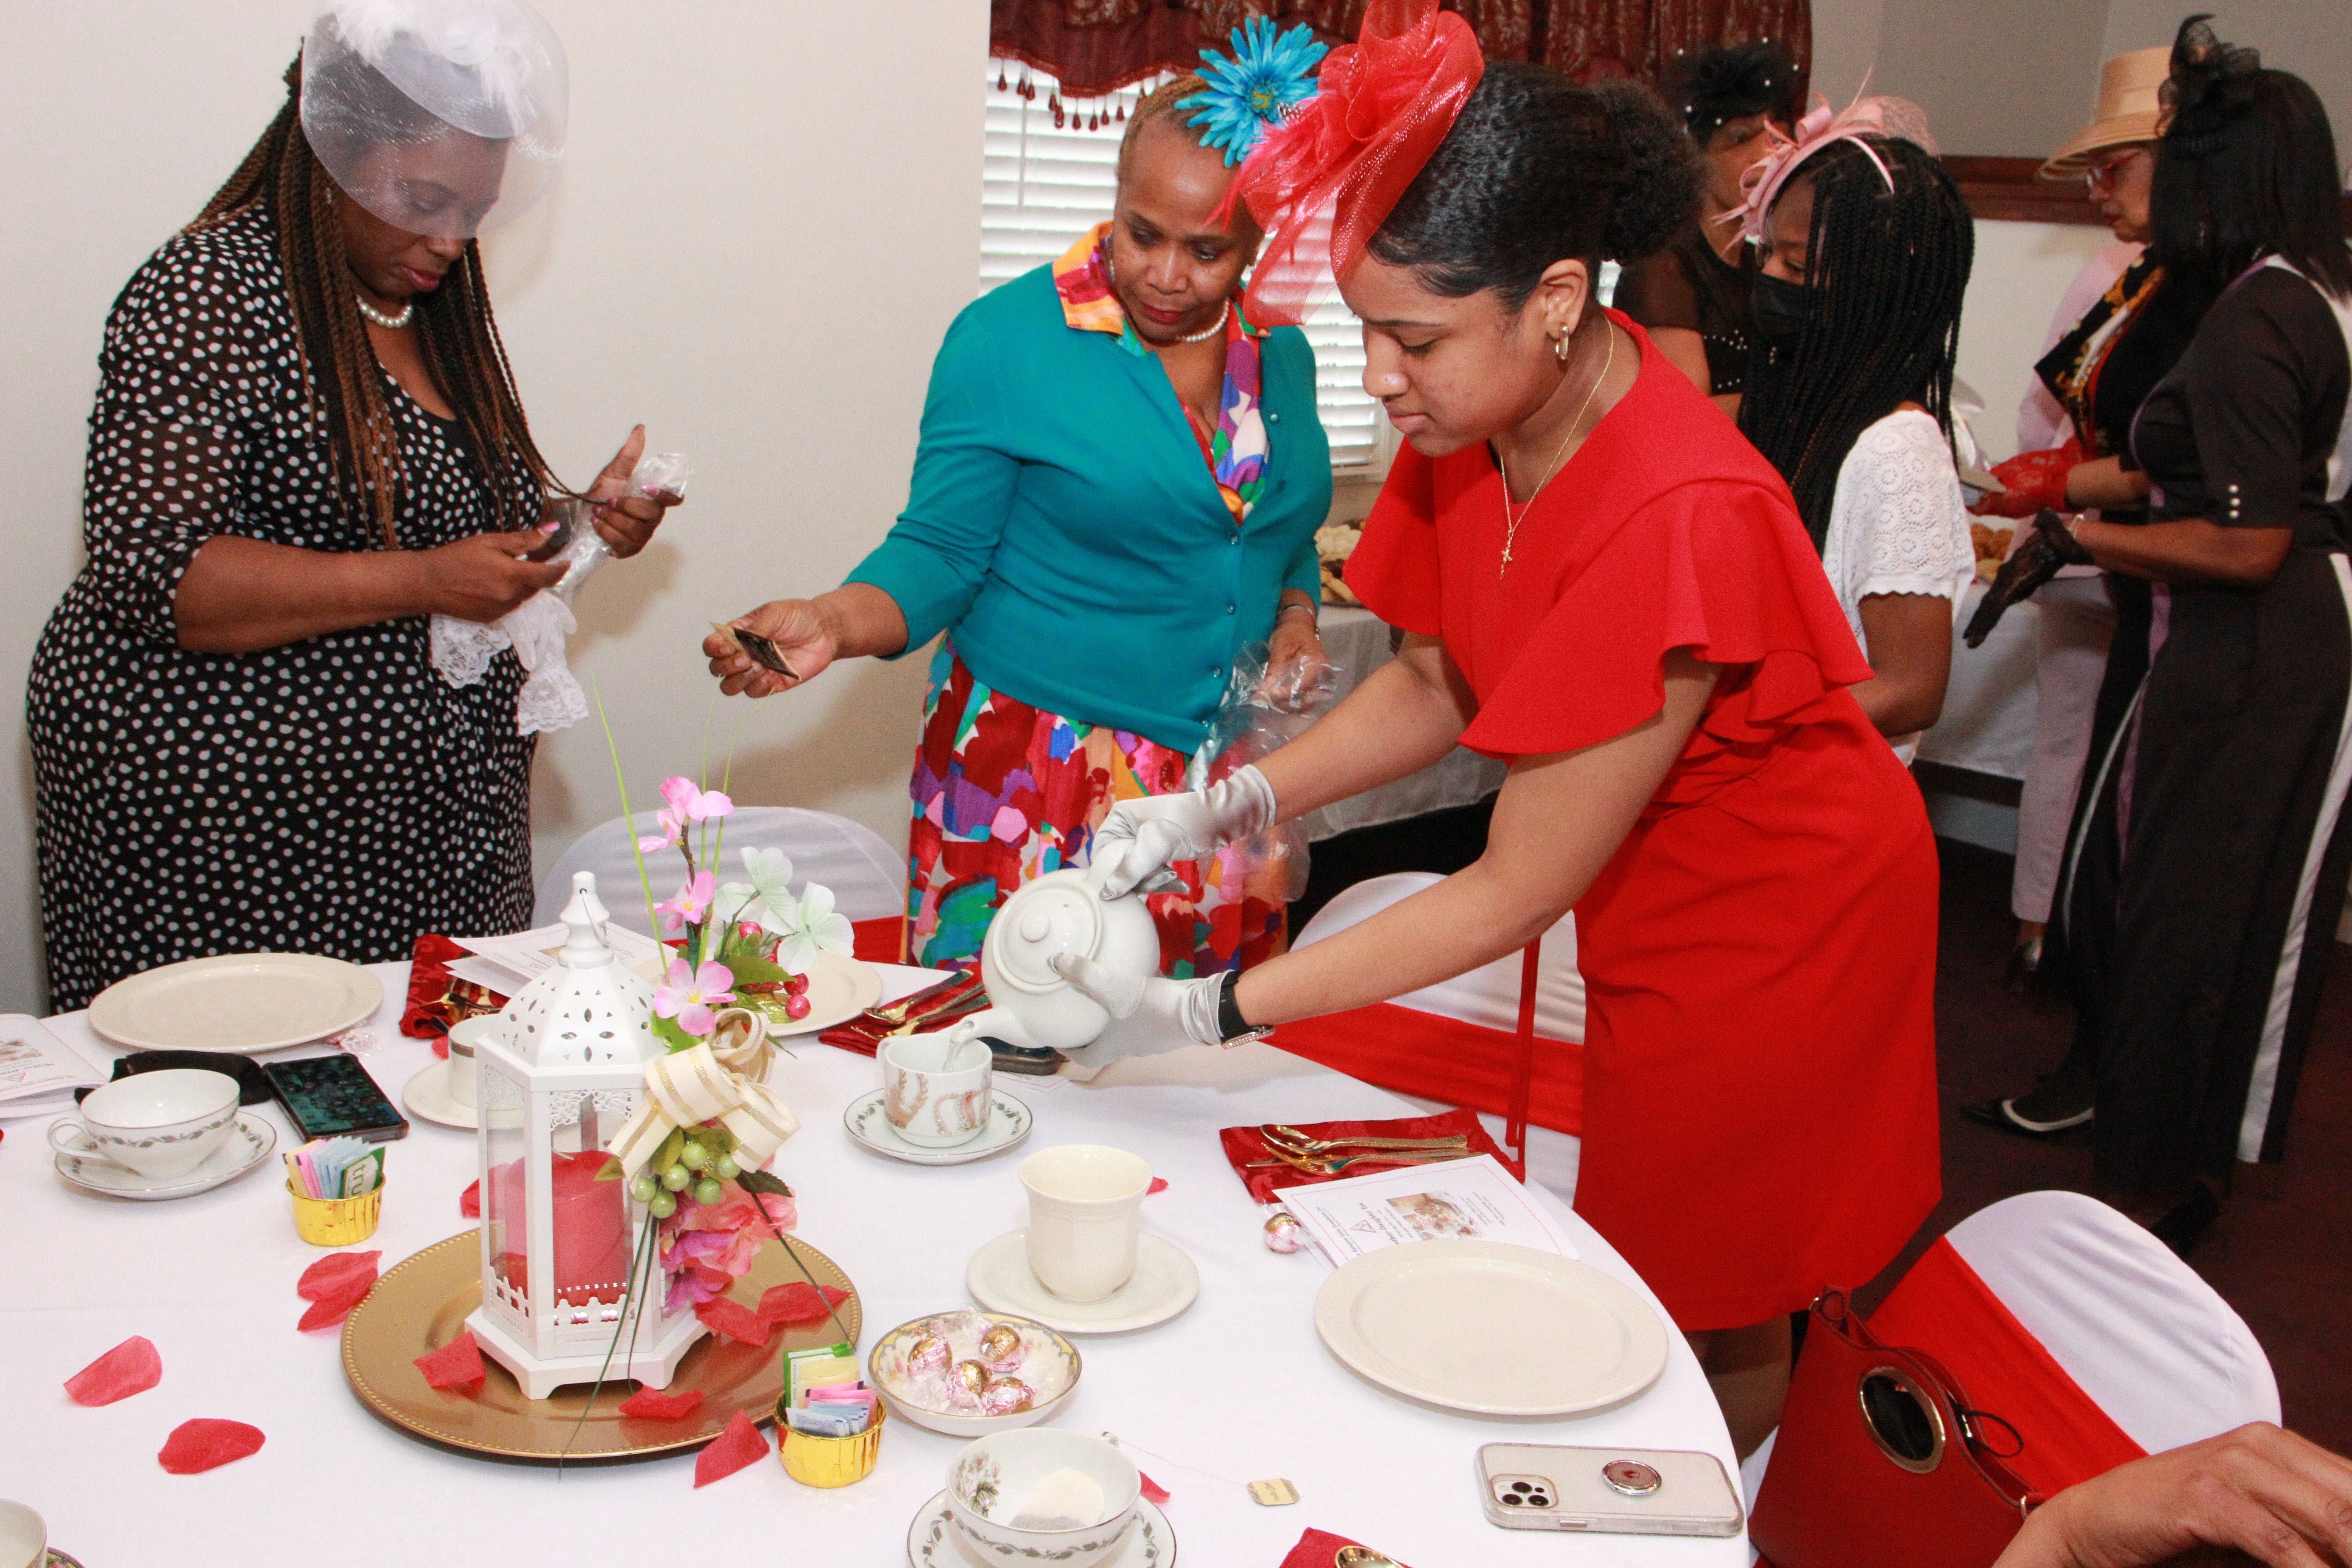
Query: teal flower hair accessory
[1269,71]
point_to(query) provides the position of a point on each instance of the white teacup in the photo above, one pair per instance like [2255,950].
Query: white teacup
[155,1124]
[462,1039]
[935,1088]
[24,1537]
[1004,1488]
[1085,1207]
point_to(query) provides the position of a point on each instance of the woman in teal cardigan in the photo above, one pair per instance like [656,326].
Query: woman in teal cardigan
[1117,491]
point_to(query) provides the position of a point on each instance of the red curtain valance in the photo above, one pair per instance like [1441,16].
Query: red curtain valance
[1097,47]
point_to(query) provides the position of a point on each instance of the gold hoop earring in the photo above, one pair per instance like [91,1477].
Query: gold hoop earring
[1559,347]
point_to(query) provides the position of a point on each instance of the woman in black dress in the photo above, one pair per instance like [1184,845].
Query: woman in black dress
[1693,295]
[2209,863]
[306,443]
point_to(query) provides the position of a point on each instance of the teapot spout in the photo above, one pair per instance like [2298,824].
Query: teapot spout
[993,1023]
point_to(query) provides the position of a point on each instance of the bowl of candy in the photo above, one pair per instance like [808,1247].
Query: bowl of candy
[971,1373]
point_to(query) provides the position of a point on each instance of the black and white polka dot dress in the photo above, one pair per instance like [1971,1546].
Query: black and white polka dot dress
[334,796]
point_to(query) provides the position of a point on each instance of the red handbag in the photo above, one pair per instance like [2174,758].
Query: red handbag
[1881,1459]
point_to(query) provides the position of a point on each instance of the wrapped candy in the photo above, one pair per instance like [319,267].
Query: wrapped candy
[1283,1233]
[930,1353]
[1007,1397]
[971,1376]
[1001,1349]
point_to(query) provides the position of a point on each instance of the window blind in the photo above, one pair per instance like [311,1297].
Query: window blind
[1045,186]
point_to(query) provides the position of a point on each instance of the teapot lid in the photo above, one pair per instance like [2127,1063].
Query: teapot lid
[1038,924]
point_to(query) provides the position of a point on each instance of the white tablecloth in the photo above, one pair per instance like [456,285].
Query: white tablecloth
[1989,706]
[1358,641]
[1238,1387]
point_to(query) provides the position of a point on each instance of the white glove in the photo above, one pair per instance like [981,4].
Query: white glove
[1155,830]
[1148,1015]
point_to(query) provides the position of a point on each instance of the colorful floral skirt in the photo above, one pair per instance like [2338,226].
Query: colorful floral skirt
[1004,791]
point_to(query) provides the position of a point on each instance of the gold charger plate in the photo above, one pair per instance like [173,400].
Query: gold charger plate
[422,1304]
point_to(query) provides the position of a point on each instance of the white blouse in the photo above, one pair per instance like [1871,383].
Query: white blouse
[1898,524]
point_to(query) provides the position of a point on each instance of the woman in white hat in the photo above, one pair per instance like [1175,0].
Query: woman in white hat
[2116,331]
[307,443]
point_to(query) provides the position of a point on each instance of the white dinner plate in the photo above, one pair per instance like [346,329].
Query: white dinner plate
[244,1002]
[869,1125]
[248,1143]
[932,1540]
[1165,1283]
[839,989]
[1489,1327]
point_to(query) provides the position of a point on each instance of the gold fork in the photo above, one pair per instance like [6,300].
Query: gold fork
[1279,1135]
[1332,1166]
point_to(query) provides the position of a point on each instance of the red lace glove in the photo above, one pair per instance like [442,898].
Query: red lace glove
[2032,481]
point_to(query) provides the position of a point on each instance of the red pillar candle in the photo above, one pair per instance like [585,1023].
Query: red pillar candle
[592,1225]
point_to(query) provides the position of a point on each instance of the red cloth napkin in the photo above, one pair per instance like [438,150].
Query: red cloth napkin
[741,1443]
[882,940]
[204,1443]
[1316,1548]
[1243,1145]
[131,1367]
[334,1285]
[864,1033]
[458,1363]
[436,1001]
[798,1302]
[734,1320]
[659,1404]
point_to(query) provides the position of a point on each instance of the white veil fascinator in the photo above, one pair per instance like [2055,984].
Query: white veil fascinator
[440,116]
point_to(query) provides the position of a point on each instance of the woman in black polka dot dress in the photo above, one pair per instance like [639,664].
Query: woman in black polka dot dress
[306,443]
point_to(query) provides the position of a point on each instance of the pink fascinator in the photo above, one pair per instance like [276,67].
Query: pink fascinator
[1895,118]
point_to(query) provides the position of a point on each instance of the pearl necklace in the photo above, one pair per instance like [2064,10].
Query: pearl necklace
[1510,523]
[389,323]
[1214,328]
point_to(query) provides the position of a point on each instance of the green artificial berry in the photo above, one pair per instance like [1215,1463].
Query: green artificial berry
[663,1205]
[644,1188]
[694,1156]
[726,1169]
[675,1178]
[707,1192]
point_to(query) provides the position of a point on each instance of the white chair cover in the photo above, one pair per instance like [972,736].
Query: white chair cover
[867,878]
[1487,996]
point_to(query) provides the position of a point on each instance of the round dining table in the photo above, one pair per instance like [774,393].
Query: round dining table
[1237,1388]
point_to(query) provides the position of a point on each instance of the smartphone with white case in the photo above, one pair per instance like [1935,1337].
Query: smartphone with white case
[1617,1491]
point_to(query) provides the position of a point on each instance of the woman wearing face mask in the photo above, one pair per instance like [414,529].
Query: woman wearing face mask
[306,443]
[1693,296]
[1866,246]
[1601,581]
[1117,491]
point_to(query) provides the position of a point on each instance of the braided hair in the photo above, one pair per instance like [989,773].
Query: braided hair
[1888,269]
[282,178]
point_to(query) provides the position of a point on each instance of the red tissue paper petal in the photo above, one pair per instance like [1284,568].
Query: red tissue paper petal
[1159,1185]
[741,1443]
[469,1202]
[458,1362]
[799,1303]
[334,1285]
[131,1367]
[203,1444]
[659,1404]
[1153,1492]
[733,1320]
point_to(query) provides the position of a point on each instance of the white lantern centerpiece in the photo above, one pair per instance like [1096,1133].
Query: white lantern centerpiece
[568,1290]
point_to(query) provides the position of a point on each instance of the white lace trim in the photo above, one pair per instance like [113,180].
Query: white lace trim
[1898,524]
[550,698]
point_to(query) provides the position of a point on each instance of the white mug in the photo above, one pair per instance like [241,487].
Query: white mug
[155,1124]
[935,1088]
[463,1085]
[24,1537]
[1085,1202]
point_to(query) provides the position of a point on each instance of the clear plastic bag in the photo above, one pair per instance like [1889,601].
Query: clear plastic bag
[1264,710]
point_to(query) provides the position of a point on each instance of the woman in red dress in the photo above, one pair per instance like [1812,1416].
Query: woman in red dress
[1601,581]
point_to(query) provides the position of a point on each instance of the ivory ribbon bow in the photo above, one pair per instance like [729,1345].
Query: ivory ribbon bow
[719,1078]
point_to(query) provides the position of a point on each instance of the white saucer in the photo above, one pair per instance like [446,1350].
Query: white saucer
[931,1541]
[1165,1283]
[869,1128]
[247,1145]
[427,1096]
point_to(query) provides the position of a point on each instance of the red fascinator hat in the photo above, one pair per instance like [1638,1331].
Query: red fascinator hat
[1324,182]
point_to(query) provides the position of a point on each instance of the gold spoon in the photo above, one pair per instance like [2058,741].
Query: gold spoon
[1330,1166]
[1360,1557]
[1298,1142]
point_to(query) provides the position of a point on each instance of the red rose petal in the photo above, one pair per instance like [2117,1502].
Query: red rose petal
[204,1443]
[1159,1185]
[799,1303]
[1153,1492]
[733,1320]
[660,1405]
[741,1443]
[469,1202]
[131,1367]
[334,1274]
[458,1362]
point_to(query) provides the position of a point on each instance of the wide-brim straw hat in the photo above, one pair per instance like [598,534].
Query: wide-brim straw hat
[2127,110]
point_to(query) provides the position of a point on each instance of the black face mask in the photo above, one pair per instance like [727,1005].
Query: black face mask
[1781,310]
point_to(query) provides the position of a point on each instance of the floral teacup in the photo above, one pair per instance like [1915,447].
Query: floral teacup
[155,1124]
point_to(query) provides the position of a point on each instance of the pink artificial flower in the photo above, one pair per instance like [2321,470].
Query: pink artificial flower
[692,901]
[692,994]
[693,803]
[672,827]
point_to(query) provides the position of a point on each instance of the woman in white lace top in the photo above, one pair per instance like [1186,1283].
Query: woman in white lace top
[1866,248]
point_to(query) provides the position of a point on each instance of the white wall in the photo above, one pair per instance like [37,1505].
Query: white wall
[2021,271]
[2312,38]
[766,221]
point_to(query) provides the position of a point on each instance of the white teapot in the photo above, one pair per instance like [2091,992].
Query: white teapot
[1062,911]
